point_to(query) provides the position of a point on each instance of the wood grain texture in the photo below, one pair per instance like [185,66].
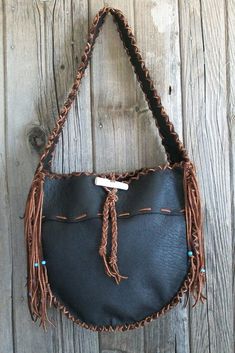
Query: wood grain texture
[230,15]
[41,41]
[70,27]
[115,129]
[189,48]
[194,108]
[203,49]
[21,93]
[161,50]
[113,97]
[157,34]
[5,226]
[65,30]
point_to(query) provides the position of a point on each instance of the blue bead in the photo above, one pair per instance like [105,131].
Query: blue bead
[203,270]
[36,264]
[190,253]
[44,262]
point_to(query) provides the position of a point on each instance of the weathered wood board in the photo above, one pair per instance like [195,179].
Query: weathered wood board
[189,48]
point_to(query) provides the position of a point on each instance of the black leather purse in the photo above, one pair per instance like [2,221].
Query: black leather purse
[115,251]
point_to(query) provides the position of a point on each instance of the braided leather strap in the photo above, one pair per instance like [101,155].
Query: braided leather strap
[174,148]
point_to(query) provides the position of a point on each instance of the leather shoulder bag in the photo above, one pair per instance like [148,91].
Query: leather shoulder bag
[114,251]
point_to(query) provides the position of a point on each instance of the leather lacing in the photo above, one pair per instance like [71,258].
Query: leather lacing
[109,209]
[39,292]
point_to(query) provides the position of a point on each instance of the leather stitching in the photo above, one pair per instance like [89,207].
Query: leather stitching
[163,211]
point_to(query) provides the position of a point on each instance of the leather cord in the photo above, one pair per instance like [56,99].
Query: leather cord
[109,211]
[174,148]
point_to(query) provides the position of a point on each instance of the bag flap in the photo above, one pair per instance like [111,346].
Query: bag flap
[75,197]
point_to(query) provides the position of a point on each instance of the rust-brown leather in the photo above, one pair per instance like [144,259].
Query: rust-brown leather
[108,258]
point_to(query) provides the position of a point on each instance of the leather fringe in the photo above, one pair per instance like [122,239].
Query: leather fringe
[111,267]
[194,233]
[39,292]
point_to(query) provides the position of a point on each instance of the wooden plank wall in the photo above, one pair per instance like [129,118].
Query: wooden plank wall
[189,48]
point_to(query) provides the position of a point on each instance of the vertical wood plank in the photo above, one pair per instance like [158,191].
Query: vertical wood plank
[21,78]
[157,32]
[115,128]
[5,232]
[193,89]
[123,342]
[207,139]
[65,34]
[44,48]
[70,27]
[231,120]
[74,150]
[41,43]
[113,97]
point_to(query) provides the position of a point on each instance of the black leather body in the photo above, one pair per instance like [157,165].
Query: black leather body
[152,246]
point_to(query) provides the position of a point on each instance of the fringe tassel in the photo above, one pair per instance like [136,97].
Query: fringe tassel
[111,267]
[194,233]
[37,281]
[39,293]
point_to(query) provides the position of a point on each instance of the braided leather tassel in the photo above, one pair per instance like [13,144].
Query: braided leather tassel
[38,288]
[111,267]
[194,233]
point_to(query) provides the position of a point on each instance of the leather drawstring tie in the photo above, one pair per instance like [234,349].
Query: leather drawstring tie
[111,267]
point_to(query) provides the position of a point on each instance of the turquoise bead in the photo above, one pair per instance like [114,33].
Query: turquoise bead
[44,262]
[190,253]
[203,270]
[36,264]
